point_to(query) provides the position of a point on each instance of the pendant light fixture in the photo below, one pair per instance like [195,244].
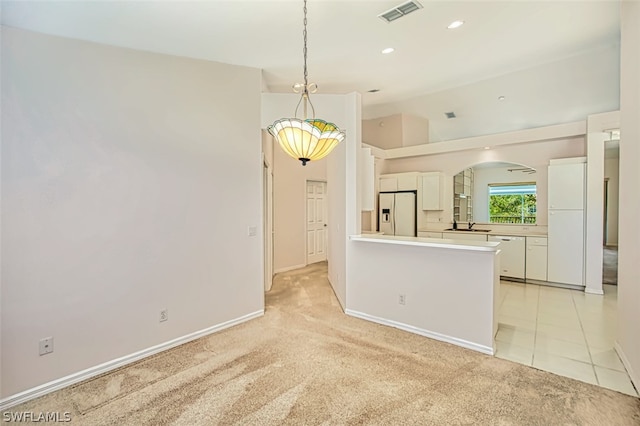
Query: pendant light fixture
[306,139]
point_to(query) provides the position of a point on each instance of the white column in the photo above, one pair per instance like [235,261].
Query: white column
[628,338]
[595,215]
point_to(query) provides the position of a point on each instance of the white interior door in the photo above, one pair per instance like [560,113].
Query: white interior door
[316,221]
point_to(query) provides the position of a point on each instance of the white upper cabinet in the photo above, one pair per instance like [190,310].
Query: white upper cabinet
[399,182]
[407,182]
[388,184]
[432,191]
[566,186]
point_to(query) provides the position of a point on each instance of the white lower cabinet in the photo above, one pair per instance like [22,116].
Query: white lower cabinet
[512,255]
[524,258]
[429,234]
[536,268]
[463,235]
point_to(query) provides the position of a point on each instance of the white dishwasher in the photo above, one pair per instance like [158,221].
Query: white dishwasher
[511,256]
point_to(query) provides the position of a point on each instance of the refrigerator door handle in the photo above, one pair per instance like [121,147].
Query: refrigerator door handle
[393,218]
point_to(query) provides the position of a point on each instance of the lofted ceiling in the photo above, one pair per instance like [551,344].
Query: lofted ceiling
[531,52]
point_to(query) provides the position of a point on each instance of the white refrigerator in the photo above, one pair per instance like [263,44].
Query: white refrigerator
[566,223]
[397,213]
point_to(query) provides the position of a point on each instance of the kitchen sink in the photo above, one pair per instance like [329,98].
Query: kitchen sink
[468,230]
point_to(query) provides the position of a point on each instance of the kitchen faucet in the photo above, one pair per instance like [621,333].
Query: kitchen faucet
[471,225]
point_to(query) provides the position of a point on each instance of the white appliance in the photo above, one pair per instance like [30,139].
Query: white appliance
[397,213]
[512,255]
[566,222]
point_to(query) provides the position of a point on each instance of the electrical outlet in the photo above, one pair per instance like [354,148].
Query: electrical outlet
[164,315]
[402,299]
[46,345]
[251,231]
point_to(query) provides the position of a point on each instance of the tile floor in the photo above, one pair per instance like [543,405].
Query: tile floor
[567,332]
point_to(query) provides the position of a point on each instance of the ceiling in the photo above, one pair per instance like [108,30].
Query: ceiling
[499,39]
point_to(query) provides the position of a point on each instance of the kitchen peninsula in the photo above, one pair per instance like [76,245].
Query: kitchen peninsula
[439,288]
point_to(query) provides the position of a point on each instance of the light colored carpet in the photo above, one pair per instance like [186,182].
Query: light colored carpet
[306,363]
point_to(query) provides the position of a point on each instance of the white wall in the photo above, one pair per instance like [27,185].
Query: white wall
[415,130]
[267,206]
[597,134]
[268,146]
[611,173]
[534,154]
[344,197]
[383,132]
[395,131]
[628,343]
[442,300]
[129,181]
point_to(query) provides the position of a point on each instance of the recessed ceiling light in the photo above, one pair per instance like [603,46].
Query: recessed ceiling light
[388,50]
[487,147]
[373,90]
[501,98]
[455,24]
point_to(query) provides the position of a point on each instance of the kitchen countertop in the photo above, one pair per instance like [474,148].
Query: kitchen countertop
[428,242]
[509,233]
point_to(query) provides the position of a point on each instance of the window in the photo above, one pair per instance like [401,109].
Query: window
[514,203]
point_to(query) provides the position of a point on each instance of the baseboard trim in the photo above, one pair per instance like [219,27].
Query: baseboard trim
[422,332]
[74,378]
[594,291]
[560,285]
[635,379]
[336,294]
[289,268]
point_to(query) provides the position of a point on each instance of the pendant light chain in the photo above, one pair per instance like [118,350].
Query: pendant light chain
[306,139]
[304,50]
[305,88]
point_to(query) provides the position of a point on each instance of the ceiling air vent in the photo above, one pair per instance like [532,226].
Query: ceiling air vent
[450,114]
[400,11]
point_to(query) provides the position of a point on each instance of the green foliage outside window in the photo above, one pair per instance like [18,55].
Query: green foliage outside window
[512,204]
